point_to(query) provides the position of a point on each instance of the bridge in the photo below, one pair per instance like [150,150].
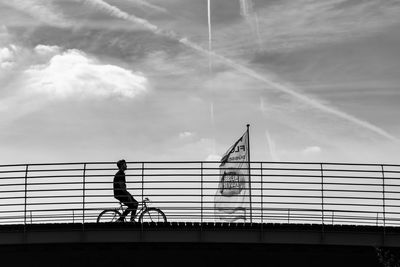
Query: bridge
[305,210]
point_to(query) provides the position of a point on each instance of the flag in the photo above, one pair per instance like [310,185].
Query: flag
[232,198]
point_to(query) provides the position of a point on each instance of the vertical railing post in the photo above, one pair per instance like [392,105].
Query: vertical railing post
[383,196]
[262,193]
[377,219]
[322,193]
[142,180]
[202,193]
[26,192]
[84,193]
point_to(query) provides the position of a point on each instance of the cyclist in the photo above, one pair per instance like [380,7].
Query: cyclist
[122,194]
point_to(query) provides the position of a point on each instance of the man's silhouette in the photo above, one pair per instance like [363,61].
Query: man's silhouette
[122,194]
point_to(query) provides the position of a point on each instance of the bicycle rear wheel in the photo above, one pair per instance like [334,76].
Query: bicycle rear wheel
[152,215]
[107,216]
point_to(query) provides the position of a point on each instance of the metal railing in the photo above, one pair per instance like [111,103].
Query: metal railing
[281,192]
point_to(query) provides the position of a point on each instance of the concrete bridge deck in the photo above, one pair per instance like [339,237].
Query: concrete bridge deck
[194,244]
[305,234]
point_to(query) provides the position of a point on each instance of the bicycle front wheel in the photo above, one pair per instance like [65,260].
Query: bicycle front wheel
[152,215]
[107,216]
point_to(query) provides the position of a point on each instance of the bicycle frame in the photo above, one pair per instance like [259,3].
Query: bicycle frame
[143,207]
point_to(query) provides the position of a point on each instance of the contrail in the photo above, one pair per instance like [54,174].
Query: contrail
[209,34]
[210,71]
[116,12]
[212,118]
[271,147]
[246,7]
[247,11]
[258,30]
[149,5]
[240,68]
[304,98]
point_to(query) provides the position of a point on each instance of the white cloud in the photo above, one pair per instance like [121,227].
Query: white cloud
[47,49]
[74,74]
[7,56]
[185,134]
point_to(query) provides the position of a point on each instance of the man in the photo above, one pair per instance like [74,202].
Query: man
[122,194]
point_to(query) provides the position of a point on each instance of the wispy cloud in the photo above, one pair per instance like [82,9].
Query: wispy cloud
[116,12]
[41,10]
[288,25]
[146,4]
[270,83]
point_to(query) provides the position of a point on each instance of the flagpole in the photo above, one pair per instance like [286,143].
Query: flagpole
[248,157]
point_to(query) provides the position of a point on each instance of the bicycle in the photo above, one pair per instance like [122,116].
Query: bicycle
[145,214]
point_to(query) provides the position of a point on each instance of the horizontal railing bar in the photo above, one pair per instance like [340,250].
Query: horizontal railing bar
[319,169]
[325,183]
[104,202]
[327,213]
[78,219]
[209,202]
[51,190]
[169,213]
[194,174]
[198,175]
[326,190]
[207,162]
[209,195]
[216,169]
[193,188]
[196,182]
[319,176]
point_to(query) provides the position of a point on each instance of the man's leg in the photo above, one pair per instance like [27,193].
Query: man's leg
[126,201]
[133,208]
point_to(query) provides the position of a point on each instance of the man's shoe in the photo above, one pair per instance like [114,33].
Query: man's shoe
[120,220]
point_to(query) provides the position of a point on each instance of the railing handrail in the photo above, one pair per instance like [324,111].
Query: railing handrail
[194,162]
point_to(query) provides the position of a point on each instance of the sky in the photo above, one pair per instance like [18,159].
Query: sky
[100,80]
